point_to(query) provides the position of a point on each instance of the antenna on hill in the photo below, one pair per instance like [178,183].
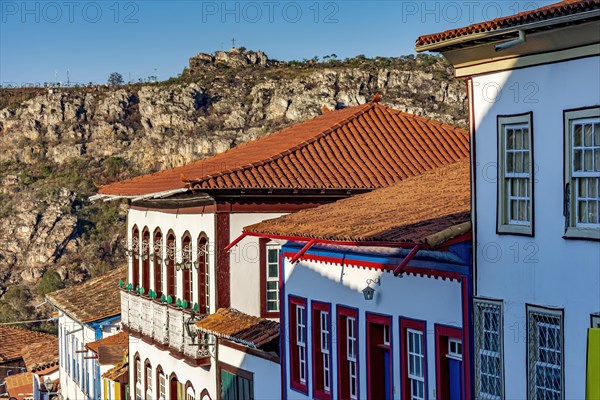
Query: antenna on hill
[233,43]
[68,80]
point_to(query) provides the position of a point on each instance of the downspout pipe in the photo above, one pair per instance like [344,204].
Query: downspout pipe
[512,43]
[400,268]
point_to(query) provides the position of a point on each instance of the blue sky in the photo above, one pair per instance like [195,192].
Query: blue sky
[43,39]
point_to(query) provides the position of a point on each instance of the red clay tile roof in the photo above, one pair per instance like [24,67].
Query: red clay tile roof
[563,8]
[118,373]
[111,349]
[41,355]
[95,299]
[239,327]
[13,342]
[410,211]
[20,386]
[363,147]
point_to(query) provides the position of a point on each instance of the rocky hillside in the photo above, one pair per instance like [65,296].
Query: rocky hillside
[57,144]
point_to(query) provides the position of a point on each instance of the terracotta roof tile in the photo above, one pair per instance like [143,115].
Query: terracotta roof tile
[367,146]
[95,299]
[13,343]
[111,349]
[239,327]
[41,355]
[409,211]
[118,373]
[562,8]
[20,386]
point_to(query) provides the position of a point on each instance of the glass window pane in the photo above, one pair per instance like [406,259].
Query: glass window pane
[526,138]
[597,134]
[577,160]
[272,257]
[273,270]
[587,135]
[582,186]
[519,162]
[518,139]
[577,136]
[582,212]
[588,160]
[510,139]
[593,212]
[597,160]
[526,163]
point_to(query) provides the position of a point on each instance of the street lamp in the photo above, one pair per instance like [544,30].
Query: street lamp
[369,292]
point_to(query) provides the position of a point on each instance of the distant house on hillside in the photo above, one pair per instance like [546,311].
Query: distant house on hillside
[376,292]
[534,100]
[87,313]
[181,220]
[28,361]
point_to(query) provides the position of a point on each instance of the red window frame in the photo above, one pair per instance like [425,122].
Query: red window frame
[442,334]
[135,258]
[416,325]
[343,313]
[157,252]
[186,257]
[263,261]
[171,273]
[294,349]
[384,320]
[203,307]
[318,373]
[145,254]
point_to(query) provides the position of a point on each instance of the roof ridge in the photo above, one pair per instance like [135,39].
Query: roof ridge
[423,119]
[361,109]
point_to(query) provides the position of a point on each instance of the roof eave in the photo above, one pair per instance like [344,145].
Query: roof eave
[489,35]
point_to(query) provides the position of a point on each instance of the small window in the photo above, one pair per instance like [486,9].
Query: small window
[489,372]
[236,384]
[162,388]
[269,280]
[347,331]
[545,353]
[515,175]
[298,344]
[582,173]
[321,338]
[416,364]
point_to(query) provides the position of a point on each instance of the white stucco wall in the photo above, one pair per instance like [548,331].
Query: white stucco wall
[244,263]
[422,298]
[179,223]
[544,270]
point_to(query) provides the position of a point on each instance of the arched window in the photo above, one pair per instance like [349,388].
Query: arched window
[171,272]
[148,380]
[203,275]
[145,250]
[135,256]
[186,259]
[189,391]
[161,384]
[137,376]
[157,251]
[174,388]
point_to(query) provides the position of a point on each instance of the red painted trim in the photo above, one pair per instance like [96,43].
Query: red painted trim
[236,241]
[145,281]
[430,272]
[201,272]
[156,237]
[222,273]
[400,268]
[466,323]
[365,243]
[171,273]
[262,260]
[317,372]
[135,261]
[294,358]
[304,249]
[405,324]
[186,273]
[342,353]
[386,321]
[442,333]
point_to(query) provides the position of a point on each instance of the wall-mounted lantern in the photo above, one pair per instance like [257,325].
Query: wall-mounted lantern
[369,292]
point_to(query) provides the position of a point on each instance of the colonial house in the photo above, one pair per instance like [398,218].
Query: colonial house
[181,220]
[111,355]
[533,82]
[375,292]
[29,363]
[86,313]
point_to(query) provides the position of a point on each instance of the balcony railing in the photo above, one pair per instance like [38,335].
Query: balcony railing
[163,323]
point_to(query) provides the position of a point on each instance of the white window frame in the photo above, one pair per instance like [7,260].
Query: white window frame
[138,380]
[573,118]
[162,386]
[190,394]
[492,309]
[522,157]
[351,355]
[325,353]
[538,354]
[417,357]
[149,382]
[301,342]
[272,246]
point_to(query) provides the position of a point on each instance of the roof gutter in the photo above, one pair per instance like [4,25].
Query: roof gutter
[439,46]
[157,195]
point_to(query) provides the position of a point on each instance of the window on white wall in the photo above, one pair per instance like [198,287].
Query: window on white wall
[489,372]
[138,379]
[515,174]
[582,172]
[416,364]
[301,341]
[545,353]
[162,385]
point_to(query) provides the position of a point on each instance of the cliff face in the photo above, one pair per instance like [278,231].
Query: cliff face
[55,144]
